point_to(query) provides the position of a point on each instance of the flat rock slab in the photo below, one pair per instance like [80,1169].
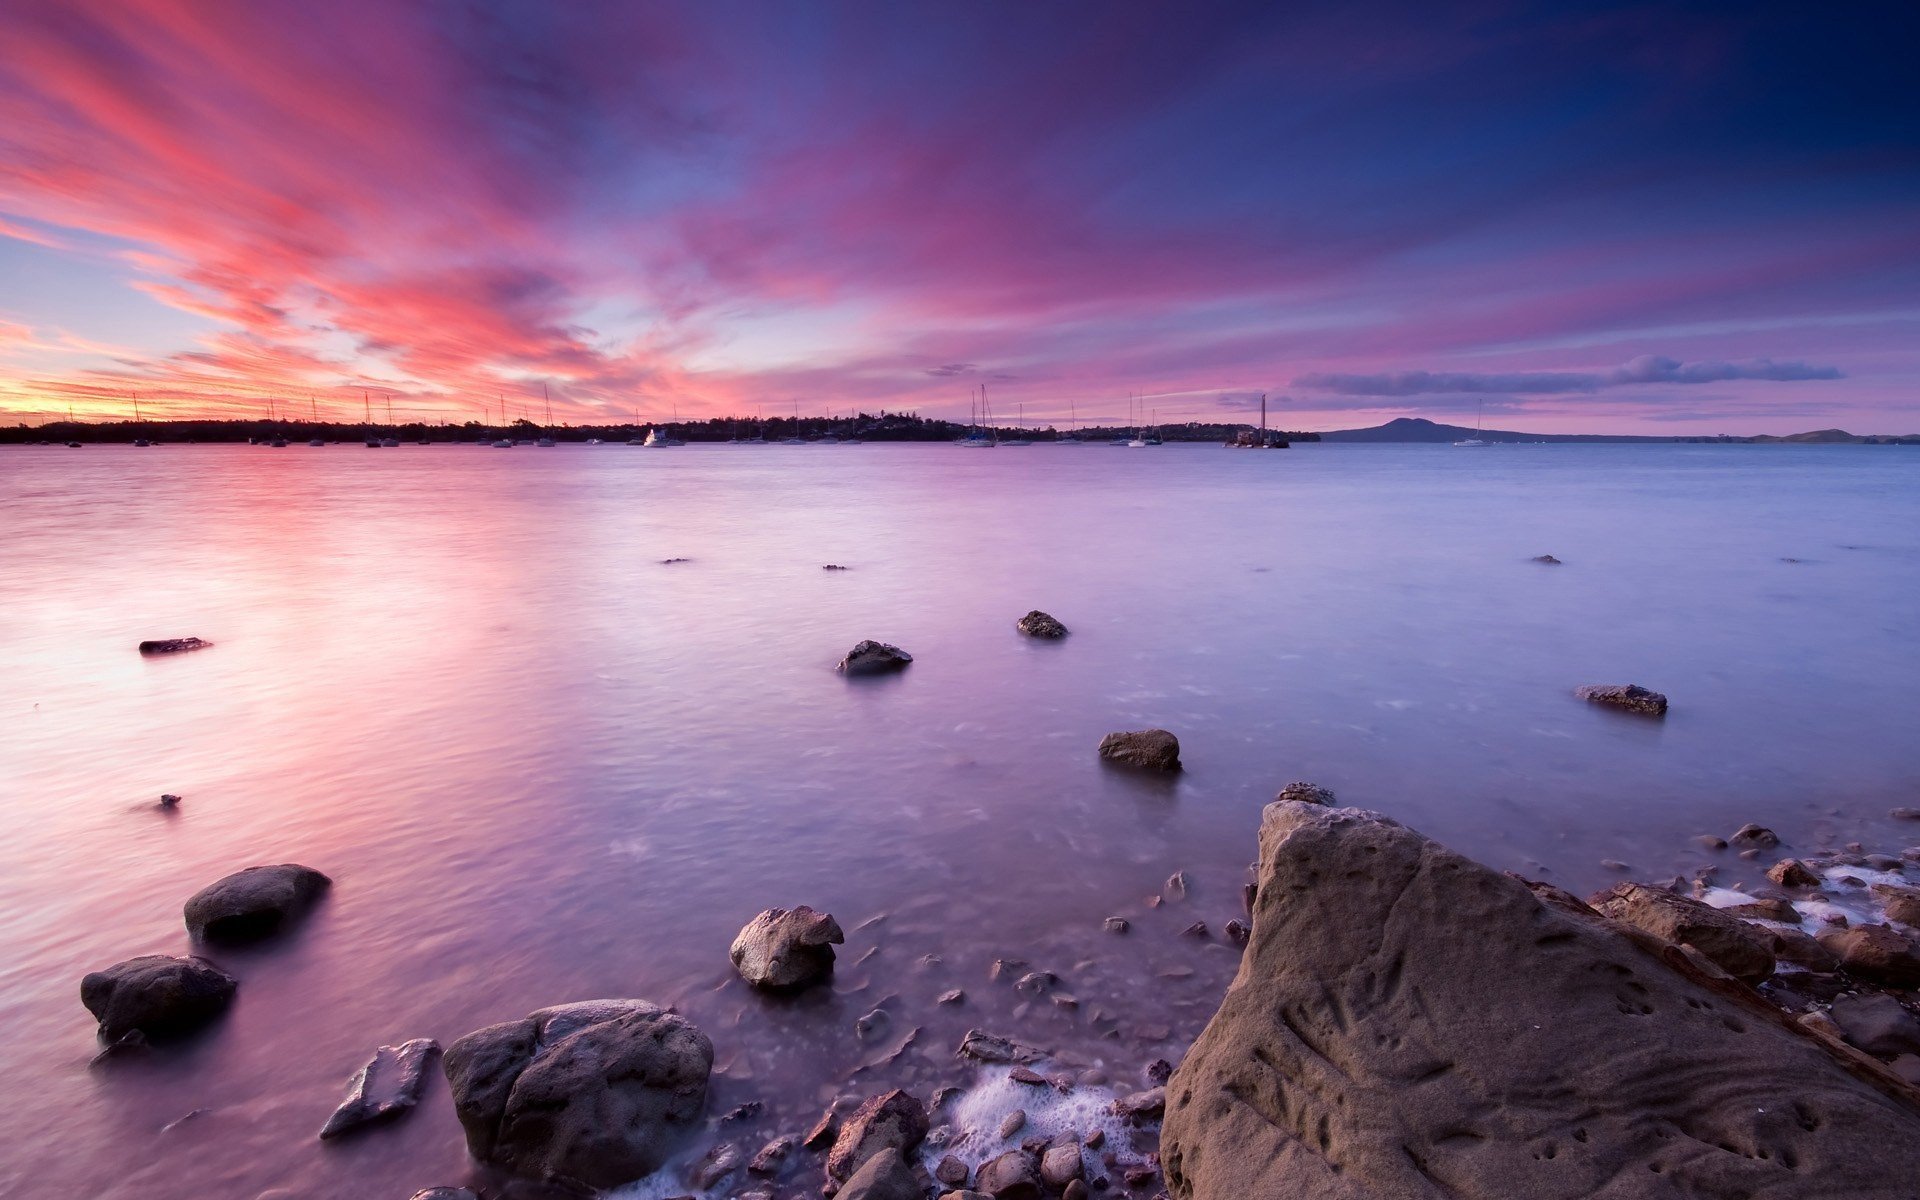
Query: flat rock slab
[255,903]
[386,1087]
[156,995]
[174,645]
[1630,697]
[1152,749]
[1407,1023]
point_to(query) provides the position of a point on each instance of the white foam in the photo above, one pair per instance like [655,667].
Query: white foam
[974,1118]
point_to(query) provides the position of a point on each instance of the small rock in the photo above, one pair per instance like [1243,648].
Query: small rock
[255,903]
[956,996]
[1158,1072]
[1028,1076]
[169,800]
[883,1176]
[771,1155]
[890,1121]
[1238,932]
[1037,624]
[989,1048]
[1766,909]
[1710,842]
[823,1131]
[174,645]
[1548,559]
[1009,1177]
[1140,1175]
[156,995]
[1153,749]
[445,1193]
[1804,950]
[1629,696]
[952,1172]
[873,658]
[871,1025]
[1741,950]
[1196,930]
[1755,837]
[786,948]
[835,567]
[1077,1189]
[1095,1139]
[1150,1103]
[1901,903]
[718,1163]
[1306,793]
[1061,1165]
[1036,983]
[1614,864]
[1175,888]
[1003,967]
[1904,814]
[1012,1123]
[1117,925]
[386,1087]
[667,562]
[1792,873]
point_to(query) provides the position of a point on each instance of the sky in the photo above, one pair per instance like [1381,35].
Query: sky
[1659,218]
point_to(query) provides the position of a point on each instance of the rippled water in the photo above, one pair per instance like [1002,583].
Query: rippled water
[542,765]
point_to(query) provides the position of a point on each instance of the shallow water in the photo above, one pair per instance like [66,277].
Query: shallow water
[543,766]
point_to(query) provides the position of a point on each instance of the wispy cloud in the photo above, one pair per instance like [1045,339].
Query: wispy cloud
[1646,369]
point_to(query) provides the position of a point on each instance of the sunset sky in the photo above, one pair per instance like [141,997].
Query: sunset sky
[1662,218]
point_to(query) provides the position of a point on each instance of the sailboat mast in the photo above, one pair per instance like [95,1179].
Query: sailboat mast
[548,397]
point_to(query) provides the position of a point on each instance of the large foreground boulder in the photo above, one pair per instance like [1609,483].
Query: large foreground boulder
[156,995]
[255,903]
[596,1093]
[1409,1024]
[786,948]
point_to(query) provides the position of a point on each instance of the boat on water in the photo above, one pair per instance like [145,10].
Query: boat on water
[980,434]
[655,437]
[316,441]
[277,442]
[595,442]
[1247,439]
[142,442]
[546,439]
[390,443]
[1475,439]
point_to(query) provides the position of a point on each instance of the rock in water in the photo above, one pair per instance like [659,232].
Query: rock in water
[1630,696]
[595,1093]
[890,1121]
[1011,1176]
[1548,559]
[386,1087]
[255,903]
[156,995]
[786,948]
[174,645]
[445,1193]
[1306,793]
[873,658]
[1407,1023]
[885,1176]
[1037,624]
[1742,950]
[1155,749]
[1876,953]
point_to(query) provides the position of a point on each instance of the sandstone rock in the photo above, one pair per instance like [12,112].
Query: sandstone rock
[595,1094]
[1739,949]
[1039,625]
[1900,903]
[883,1176]
[954,996]
[1803,950]
[1238,932]
[1075,1190]
[255,903]
[714,1166]
[1152,749]
[786,948]
[1009,1177]
[989,1048]
[386,1087]
[1407,1023]
[1877,1024]
[1012,1123]
[1876,953]
[1629,696]
[1792,873]
[156,995]
[1117,925]
[873,658]
[771,1155]
[1061,1165]
[1766,909]
[1150,1103]
[174,645]
[952,1172]
[1755,837]
[1306,793]
[890,1121]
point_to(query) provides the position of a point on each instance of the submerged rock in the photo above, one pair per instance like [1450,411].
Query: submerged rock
[1755,837]
[1742,950]
[890,1121]
[991,1048]
[786,948]
[255,903]
[174,645]
[596,1093]
[1037,624]
[873,658]
[1487,1040]
[156,995]
[386,1087]
[1154,749]
[1629,696]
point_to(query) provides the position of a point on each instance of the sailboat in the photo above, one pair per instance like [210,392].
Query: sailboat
[1072,436]
[1019,425]
[1475,439]
[546,439]
[139,441]
[977,437]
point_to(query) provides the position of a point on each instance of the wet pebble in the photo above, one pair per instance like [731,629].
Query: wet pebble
[1012,1123]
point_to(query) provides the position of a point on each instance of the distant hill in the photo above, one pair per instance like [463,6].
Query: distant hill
[1419,429]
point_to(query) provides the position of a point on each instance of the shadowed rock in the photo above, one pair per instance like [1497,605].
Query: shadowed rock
[1876,953]
[156,995]
[174,645]
[1154,749]
[1629,696]
[890,1121]
[885,1176]
[596,1093]
[873,658]
[1037,624]
[255,903]
[386,1087]
[1011,1176]
[1407,1023]
[786,948]
[1306,793]
[1741,950]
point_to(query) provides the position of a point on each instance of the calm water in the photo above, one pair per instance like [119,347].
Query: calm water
[543,766]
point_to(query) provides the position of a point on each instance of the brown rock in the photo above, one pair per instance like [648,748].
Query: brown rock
[1901,903]
[1803,950]
[1766,909]
[892,1120]
[1060,1165]
[1629,696]
[1306,793]
[1736,947]
[883,1176]
[1397,998]
[1755,837]
[1792,873]
[1153,749]
[1009,1177]
[1877,1024]
[1876,953]
[174,645]
[1150,1103]
[952,1172]
[786,948]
